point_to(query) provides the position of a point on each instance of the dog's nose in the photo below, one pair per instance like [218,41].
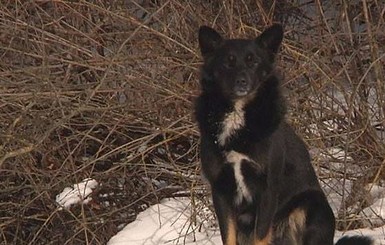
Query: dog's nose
[241,81]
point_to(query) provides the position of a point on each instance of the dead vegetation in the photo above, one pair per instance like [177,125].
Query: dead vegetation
[105,89]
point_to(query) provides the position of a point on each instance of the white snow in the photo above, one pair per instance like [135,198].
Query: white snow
[166,223]
[78,193]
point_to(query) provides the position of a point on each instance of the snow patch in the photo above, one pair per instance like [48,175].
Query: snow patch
[78,193]
[167,223]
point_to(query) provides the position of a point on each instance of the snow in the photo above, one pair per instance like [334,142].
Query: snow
[166,223]
[375,214]
[78,193]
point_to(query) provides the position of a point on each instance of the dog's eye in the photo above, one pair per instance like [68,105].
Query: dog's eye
[231,60]
[251,60]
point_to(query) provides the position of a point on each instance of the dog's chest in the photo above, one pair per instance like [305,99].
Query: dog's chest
[232,122]
[244,192]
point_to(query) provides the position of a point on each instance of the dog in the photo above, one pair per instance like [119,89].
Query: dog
[264,188]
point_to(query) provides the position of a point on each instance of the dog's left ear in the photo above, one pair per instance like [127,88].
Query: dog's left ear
[209,40]
[271,38]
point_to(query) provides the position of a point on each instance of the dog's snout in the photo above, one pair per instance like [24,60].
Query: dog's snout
[241,85]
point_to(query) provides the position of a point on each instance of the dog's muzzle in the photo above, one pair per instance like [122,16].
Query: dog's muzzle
[242,86]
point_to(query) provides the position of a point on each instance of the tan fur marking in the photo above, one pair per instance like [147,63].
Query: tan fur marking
[293,226]
[296,222]
[266,240]
[231,238]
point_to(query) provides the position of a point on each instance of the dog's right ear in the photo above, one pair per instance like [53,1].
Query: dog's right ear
[209,40]
[271,38]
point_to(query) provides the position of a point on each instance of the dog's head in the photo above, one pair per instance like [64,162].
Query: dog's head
[237,66]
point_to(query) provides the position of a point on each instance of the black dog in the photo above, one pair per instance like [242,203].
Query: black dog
[264,188]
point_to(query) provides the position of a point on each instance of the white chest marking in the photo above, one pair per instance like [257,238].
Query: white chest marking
[236,159]
[232,122]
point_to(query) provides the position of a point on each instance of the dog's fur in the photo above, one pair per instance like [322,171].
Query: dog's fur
[264,188]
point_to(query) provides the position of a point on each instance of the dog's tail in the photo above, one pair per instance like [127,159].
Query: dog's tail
[355,240]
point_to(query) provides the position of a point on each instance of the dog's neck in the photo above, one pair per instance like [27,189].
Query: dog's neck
[233,121]
[265,109]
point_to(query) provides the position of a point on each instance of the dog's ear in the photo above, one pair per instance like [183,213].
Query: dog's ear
[271,38]
[209,40]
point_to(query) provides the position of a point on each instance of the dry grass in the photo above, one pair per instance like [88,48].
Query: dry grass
[105,90]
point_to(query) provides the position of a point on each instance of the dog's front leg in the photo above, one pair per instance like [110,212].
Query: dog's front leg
[267,209]
[269,200]
[226,219]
